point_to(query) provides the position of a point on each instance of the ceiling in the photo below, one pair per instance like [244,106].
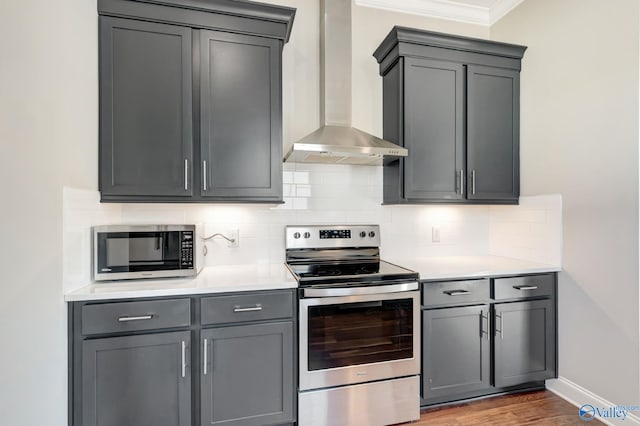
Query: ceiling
[482,12]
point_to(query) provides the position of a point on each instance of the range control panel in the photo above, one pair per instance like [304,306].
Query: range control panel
[332,236]
[335,233]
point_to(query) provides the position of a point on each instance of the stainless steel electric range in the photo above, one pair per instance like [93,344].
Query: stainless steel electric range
[359,328]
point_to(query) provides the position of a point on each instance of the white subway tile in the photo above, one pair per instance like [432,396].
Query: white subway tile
[303,191]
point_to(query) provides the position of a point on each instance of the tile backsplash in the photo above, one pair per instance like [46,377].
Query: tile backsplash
[327,194]
[530,231]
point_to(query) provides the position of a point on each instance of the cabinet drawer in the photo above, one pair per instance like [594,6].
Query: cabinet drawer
[135,316]
[455,292]
[246,307]
[525,286]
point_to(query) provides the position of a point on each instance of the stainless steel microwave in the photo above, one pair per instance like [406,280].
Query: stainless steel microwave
[122,252]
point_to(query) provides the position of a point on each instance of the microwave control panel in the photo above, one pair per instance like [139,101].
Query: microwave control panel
[186,250]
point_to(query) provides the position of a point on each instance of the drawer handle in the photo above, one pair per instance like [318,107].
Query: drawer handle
[138,318]
[525,287]
[256,308]
[456,292]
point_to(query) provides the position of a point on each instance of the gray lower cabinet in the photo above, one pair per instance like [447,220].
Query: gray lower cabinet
[486,336]
[453,102]
[524,342]
[184,361]
[137,380]
[191,100]
[455,350]
[247,376]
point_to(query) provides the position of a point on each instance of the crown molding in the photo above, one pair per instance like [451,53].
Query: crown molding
[447,9]
[501,8]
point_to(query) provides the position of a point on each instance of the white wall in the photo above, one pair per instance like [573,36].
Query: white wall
[369,27]
[48,136]
[579,138]
[301,71]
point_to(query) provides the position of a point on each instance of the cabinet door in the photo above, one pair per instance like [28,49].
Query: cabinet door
[493,129]
[524,342]
[145,109]
[433,130]
[240,117]
[141,380]
[455,351]
[247,375]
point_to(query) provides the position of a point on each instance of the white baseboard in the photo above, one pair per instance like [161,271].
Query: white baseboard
[578,396]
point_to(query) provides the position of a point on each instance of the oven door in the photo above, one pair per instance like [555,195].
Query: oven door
[359,338]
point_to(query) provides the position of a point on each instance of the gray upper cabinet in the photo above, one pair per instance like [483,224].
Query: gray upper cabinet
[146,143]
[136,380]
[190,100]
[241,142]
[453,102]
[434,91]
[247,375]
[492,133]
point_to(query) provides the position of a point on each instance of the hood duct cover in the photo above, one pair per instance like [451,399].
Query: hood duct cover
[337,142]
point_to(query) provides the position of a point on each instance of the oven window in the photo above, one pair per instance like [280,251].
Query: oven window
[360,333]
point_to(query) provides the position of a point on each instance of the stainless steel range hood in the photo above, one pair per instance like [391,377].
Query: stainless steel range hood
[337,142]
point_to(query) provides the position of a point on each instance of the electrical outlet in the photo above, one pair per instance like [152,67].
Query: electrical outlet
[435,234]
[234,234]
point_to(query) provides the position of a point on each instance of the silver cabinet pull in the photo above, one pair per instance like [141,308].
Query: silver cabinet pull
[501,330]
[186,174]
[473,182]
[204,175]
[456,292]
[482,327]
[525,287]
[184,359]
[461,182]
[258,307]
[204,357]
[138,318]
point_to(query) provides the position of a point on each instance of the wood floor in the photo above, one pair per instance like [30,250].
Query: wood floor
[533,408]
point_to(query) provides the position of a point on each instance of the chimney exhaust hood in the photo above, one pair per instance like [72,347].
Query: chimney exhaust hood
[337,142]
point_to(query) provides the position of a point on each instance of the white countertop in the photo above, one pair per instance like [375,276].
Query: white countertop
[449,267]
[234,278]
[213,279]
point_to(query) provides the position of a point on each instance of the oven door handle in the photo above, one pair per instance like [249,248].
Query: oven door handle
[355,290]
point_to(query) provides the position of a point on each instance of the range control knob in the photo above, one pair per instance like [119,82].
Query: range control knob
[372,234]
[307,235]
[296,235]
[363,234]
